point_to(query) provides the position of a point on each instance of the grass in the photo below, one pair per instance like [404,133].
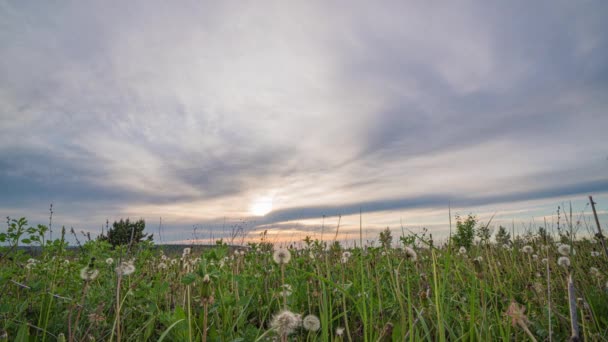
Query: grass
[374,294]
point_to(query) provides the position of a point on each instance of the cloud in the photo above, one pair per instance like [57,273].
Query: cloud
[195,110]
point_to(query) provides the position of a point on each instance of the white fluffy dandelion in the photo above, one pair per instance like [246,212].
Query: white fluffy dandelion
[479,259]
[594,271]
[109,261]
[595,253]
[162,266]
[125,268]
[186,251]
[564,249]
[527,249]
[410,254]
[285,322]
[281,256]
[88,273]
[346,254]
[563,261]
[462,250]
[311,323]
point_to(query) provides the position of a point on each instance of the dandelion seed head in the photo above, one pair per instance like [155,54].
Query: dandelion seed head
[594,271]
[527,249]
[479,259]
[109,261]
[285,322]
[595,253]
[125,268]
[563,261]
[544,261]
[346,254]
[339,331]
[462,250]
[88,273]
[186,251]
[410,254]
[534,256]
[162,266]
[564,249]
[311,323]
[281,256]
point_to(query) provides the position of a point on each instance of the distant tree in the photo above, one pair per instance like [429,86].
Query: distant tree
[123,231]
[483,233]
[386,238]
[543,235]
[502,236]
[465,231]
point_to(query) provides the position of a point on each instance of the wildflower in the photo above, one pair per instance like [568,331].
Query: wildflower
[95,318]
[344,260]
[563,249]
[281,256]
[311,323]
[563,261]
[173,261]
[285,322]
[346,255]
[162,266]
[286,290]
[462,250]
[594,271]
[311,255]
[126,268]
[527,249]
[516,313]
[88,273]
[31,263]
[164,257]
[410,254]
[66,262]
[534,256]
[339,331]
[383,253]
[186,251]
[595,253]
[479,259]
[544,261]
[109,261]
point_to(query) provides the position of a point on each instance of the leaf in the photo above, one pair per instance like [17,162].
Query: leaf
[23,333]
[26,241]
[164,334]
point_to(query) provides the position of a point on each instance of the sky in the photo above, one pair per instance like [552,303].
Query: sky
[302,117]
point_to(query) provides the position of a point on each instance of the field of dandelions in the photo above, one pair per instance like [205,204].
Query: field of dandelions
[537,288]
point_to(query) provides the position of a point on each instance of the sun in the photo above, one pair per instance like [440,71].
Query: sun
[261,206]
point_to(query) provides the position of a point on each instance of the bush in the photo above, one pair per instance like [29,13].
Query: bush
[465,232]
[122,231]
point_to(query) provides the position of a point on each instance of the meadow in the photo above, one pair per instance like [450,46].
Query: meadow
[536,286]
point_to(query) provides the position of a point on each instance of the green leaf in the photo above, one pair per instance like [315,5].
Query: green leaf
[162,337]
[26,241]
[188,279]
